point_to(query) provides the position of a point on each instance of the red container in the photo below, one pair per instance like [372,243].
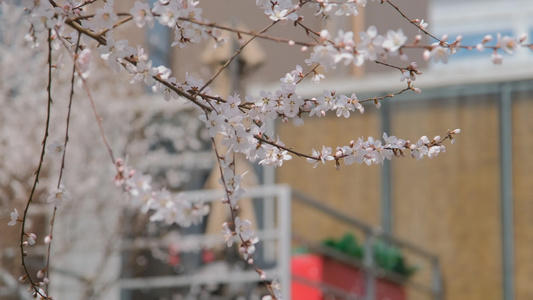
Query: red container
[318,269]
[310,267]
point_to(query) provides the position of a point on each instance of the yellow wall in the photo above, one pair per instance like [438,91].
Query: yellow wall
[523,196]
[353,189]
[449,205]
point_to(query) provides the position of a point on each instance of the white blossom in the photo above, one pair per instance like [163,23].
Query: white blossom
[142,14]
[58,195]
[371,45]
[14,218]
[508,44]
[440,53]
[394,40]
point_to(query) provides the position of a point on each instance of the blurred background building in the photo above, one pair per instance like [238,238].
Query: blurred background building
[464,220]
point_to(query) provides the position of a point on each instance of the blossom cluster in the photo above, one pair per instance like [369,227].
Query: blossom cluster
[168,208]
[242,229]
[374,151]
[343,48]
[229,118]
[287,10]
[244,232]
[508,44]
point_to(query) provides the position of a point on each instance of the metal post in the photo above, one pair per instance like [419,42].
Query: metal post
[269,217]
[438,292]
[268,205]
[158,40]
[506,179]
[368,260]
[386,183]
[285,234]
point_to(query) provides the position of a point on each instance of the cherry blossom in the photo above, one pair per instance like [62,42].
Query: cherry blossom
[440,53]
[394,40]
[114,52]
[280,10]
[55,149]
[497,58]
[14,218]
[243,229]
[349,8]
[326,56]
[228,234]
[323,156]
[142,15]
[31,238]
[508,44]
[84,62]
[58,195]
[423,25]
[104,18]
[42,15]
[371,44]
[273,156]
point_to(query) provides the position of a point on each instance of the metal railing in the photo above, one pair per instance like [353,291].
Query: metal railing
[277,219]
[277,235]
[371,270]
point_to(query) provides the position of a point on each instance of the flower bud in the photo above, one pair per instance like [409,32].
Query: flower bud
[426,55]
[324,34]
[487,38]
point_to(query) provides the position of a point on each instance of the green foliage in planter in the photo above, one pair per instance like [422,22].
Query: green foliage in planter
[391,259]
[385,256]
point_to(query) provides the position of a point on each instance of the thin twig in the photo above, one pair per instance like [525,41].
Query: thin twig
[374,99]
[414,23]
[117,24]
[38,171]
[251,33]
[223,67]
[52,221]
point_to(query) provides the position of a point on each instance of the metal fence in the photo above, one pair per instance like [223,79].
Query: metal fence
[275,214]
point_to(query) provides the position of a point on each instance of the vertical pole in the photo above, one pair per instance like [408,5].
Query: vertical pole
[368,260]
[506,179]
[269,217]
[235,67]
[386,195]
[158,40]
[285,233]
[438,292]
[269,178]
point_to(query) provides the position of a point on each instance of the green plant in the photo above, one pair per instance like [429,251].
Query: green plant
[386,256]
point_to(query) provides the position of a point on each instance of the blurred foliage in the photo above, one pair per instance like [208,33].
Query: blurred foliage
[386,256]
